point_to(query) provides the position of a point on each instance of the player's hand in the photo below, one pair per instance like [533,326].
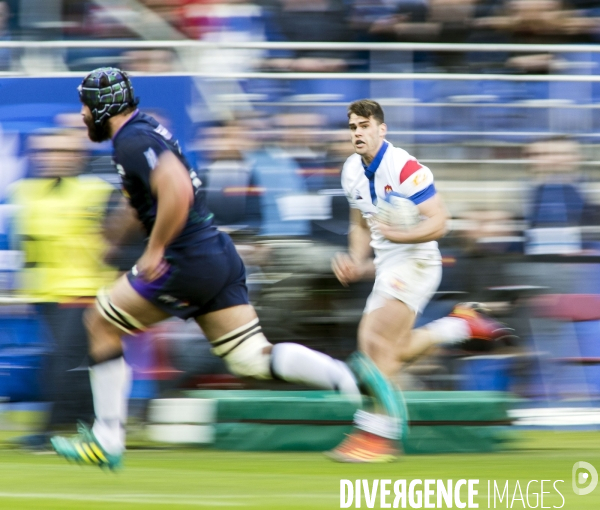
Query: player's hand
[393,234]
[152,265]
[346,270]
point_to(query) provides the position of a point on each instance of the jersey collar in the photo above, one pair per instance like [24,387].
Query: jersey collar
[372,168]
[133,116]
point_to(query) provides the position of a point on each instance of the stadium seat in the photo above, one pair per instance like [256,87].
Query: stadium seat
[347,90]
[565,333]
[566,307]
[503,117]
[485,373]
[333,96]
[425,116]
[23,348]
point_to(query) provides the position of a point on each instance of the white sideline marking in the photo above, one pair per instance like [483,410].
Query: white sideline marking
[556,416]
[159,499]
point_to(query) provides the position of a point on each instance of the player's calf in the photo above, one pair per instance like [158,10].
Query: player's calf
[248,353]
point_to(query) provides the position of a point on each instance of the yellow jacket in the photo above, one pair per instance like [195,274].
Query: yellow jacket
[60,224]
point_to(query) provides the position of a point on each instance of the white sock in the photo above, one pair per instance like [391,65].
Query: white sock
[298,364]
[111,385]
[449,330]
[378,424]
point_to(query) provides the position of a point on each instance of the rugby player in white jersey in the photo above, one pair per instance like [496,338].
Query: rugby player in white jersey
[407,268]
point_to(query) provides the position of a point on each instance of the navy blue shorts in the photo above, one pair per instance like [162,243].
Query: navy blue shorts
[202,278]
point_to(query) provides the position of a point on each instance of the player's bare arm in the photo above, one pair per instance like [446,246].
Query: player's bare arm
[434,226]
[120,222]
[358,263]
[170,183]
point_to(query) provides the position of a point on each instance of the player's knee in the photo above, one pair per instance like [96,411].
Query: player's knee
[95,323]
[246,351]
[114,319]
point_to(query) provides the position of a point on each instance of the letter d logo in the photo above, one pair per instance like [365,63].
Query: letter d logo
[580,479]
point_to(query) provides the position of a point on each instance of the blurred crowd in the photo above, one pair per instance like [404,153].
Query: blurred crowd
[238,21]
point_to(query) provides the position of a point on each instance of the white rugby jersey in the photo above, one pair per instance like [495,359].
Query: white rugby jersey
[394,170]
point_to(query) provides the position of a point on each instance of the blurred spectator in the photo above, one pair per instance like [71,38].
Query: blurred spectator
[451,21]
[557,207]
[249,177]
[59,224]
[439,20]
[209,18]
[554,169]
[538,22]
[227,21]
[102,22]
[74,14]
[149,19]
[149,61]
[286,208]
[231,194]
[489,232]
[5,53]
[41,19]
[303,137]
[309,21]
[168,10]
[339,147]
[374,20]
[224,21]
[541,22]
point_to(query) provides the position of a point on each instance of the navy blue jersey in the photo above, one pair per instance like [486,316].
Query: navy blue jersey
[136,149]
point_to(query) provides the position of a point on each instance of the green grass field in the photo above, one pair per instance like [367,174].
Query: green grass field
[184,479]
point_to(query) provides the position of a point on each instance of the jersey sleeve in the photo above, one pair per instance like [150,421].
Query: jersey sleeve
[138,156]
[416,182]
[346,186]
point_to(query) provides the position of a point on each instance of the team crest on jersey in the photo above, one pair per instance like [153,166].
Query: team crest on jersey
[387,189]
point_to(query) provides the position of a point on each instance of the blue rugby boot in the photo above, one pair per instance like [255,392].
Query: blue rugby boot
[84,448]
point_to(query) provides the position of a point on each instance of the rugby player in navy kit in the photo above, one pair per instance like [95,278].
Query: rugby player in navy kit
[189,269]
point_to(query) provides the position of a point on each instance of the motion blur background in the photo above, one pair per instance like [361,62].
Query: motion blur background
[498,98]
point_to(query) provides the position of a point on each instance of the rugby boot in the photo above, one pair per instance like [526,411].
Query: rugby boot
[486,333]
[364,447]
[84,448]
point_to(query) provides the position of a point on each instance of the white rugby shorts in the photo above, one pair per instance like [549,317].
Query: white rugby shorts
[412,281]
